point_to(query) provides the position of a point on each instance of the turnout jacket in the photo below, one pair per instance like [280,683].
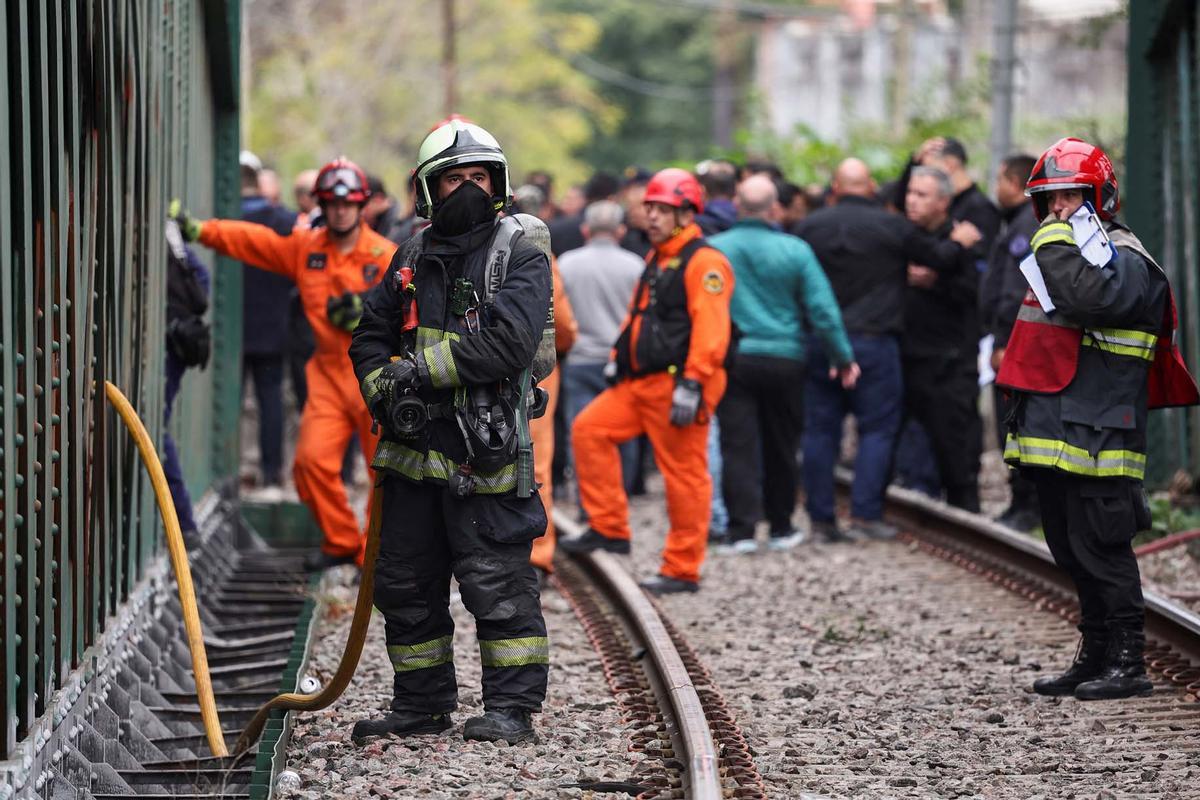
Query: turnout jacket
[449,356]
[1084,374]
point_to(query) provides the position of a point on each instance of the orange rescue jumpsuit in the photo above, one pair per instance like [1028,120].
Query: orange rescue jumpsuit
[542,428]
[334,410]
[641,405]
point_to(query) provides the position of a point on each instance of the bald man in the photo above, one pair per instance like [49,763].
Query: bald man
[865,252]
[779,285]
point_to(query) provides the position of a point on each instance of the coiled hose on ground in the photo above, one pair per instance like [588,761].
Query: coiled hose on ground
[179,562]
[292,701]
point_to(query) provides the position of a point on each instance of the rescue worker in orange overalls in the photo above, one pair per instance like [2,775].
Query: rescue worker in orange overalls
[542,428]
[668,374]
[332,266]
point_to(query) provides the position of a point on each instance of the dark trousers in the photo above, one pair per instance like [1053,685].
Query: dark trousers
[942,394]
[1089,525]
[267,371]
[761,415]
[484,541]
[876,405]
[1024,493]
[172,468]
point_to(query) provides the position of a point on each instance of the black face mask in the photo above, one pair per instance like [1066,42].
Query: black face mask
[467,208]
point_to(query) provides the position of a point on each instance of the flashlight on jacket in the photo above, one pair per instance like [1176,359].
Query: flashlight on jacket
[410,300]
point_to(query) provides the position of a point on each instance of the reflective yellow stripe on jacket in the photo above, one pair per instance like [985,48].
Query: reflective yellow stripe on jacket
[1053,232]
[418,466]
[1035,452]
[1122,342]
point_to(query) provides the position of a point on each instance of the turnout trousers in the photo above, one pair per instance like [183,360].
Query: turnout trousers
[1089,525]
[427,535]
[760,419]
[641,406]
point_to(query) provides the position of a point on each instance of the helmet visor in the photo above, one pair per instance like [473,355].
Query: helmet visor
[1030,191]
[343,178]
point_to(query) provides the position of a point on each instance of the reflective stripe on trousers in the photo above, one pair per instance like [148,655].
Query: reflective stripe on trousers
[422,655]
[515,652]
[1036,452]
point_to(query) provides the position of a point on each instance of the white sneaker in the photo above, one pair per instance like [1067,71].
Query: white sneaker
[796,537]
[265,494]
[739,547]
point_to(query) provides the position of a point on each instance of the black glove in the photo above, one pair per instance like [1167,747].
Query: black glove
[395,378]
[685,402]
[345,311]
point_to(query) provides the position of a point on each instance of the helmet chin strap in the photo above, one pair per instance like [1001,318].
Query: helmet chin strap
[679,226]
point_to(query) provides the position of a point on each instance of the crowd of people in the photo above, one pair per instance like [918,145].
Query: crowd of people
[851,298]
[718,325]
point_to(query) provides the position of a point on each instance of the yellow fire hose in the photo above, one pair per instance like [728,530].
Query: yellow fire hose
[293,701]
[179,562]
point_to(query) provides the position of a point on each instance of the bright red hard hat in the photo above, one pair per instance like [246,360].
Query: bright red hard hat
[341,179]
[675,187]
[1075,164]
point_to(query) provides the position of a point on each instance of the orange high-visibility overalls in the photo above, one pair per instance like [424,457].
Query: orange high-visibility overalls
[641,404]
[542,428]
[334,410]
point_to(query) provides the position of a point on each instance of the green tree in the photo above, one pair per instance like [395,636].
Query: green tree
[654,61]
[365,80]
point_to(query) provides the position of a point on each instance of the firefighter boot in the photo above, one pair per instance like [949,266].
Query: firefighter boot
[400,723]
[1124,673]
[513,725]
[1089,661]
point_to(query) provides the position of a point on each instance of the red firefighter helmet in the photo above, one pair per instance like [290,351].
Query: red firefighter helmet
[1075,164]
[341,179]
[675,187]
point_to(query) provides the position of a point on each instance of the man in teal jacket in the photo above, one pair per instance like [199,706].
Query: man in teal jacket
[780,284]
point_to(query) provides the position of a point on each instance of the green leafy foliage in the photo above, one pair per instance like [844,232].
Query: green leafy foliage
[366,80]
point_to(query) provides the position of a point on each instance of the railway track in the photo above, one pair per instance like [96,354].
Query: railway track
[693,746]
[1024,565]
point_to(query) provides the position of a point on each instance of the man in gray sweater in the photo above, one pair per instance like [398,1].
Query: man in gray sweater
[599,278]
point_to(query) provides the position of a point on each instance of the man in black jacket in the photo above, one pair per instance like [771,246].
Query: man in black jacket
[940,347]
[967,203]
[865,252]
[266,298]
[444,352]
[1001,291]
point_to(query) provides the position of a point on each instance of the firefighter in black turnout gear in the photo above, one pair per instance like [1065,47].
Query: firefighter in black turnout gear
[1082,375]
[449,346]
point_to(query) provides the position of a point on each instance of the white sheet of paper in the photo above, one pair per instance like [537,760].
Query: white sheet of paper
[1090,236]
[1033,276]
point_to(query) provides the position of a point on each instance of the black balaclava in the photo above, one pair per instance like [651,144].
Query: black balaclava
[465,210]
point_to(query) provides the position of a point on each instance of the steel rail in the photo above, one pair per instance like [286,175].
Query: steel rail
[1167,623]
[702,779]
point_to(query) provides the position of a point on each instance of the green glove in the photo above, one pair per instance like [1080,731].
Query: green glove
[345,311]
[190,228]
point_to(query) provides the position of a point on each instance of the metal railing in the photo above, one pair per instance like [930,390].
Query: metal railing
[106,110]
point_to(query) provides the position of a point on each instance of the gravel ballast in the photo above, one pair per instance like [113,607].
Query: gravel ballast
[876,670]
[580,735]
